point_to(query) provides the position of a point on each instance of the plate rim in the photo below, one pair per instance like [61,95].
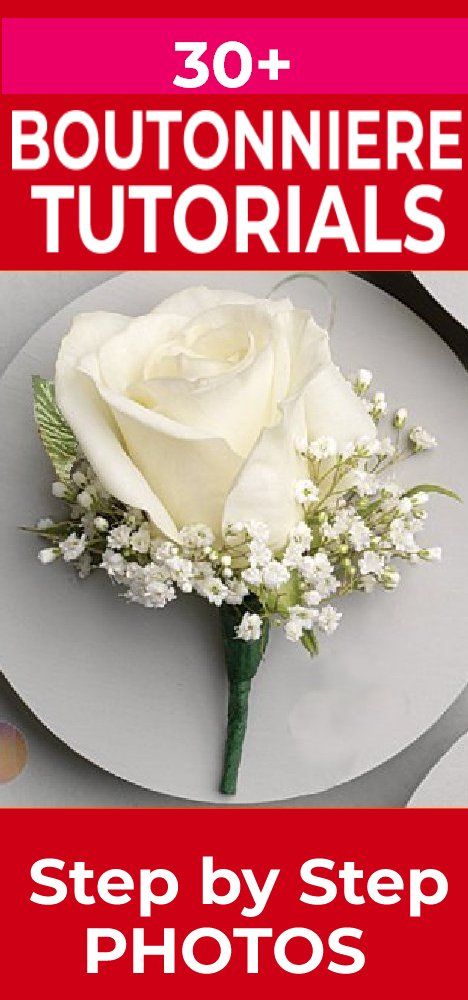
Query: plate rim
[74,746]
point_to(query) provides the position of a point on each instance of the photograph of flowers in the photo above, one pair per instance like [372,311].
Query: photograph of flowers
[239,467]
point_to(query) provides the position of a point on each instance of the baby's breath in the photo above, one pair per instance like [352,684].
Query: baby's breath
[354,522]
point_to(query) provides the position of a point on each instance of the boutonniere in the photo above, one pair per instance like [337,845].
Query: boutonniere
[212,447]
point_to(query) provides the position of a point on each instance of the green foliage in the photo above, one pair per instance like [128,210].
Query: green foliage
[433,488]
[56,436]
[309,641]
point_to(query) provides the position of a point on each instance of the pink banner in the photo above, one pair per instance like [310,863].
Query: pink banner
[325,55]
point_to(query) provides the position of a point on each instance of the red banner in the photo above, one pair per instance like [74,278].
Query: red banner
[232,182]
[132,902]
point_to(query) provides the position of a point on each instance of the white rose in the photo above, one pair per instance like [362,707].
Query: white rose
[191,413]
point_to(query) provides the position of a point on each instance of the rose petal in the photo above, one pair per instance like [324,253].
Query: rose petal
[123,358]
[189,470]
[264,488]
[93,423]
[334,410]
[190,302]
[235,402]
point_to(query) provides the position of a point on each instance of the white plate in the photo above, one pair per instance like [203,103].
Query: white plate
[142,693]
[446,785]
[449,289]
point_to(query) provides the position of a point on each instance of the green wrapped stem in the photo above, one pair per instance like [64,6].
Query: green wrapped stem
[238,708]
[242,662]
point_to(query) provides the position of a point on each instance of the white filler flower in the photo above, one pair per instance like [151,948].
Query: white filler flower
[250,628]
[421,440]
[192,413]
